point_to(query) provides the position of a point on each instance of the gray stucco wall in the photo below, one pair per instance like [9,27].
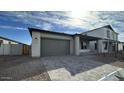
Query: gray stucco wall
[102,33]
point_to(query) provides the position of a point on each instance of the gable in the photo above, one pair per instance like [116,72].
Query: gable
[107,26]
[105,32]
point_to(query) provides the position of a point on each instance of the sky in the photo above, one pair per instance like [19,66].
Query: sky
[14,25]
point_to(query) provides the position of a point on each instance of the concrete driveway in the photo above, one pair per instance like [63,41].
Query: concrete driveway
[86,68]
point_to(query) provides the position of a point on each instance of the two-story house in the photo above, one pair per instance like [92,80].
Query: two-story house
[108,41]
[49,43]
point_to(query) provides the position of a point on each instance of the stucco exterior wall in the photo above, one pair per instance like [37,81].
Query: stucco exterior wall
[102,33]
[7,41]
[77,45]
[16,49]
[35,48]
[92,45]
[120,46]
[11,49]
[96,33]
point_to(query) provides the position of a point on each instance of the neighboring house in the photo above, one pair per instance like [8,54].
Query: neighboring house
[11,47]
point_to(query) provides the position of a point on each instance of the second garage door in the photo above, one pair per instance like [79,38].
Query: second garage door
[54,47]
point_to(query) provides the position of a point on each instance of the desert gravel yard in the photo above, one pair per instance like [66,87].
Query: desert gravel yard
[22,68]
[87,68]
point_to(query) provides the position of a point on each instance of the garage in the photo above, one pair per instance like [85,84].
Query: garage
[54,47]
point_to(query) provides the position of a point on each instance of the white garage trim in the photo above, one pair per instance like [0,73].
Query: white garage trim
[36,40]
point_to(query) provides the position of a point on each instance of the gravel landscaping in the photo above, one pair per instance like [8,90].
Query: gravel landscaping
[85,68]
[22,68]
[77,68]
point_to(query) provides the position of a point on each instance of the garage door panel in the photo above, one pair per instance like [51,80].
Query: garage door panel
[54,47]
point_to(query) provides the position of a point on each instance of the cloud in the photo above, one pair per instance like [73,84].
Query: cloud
[47,26]
[12,27]
[81,20]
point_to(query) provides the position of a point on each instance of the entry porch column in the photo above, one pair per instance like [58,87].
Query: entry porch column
[77,45]
[99,46]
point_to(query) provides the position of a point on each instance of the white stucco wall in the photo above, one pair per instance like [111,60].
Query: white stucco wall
[102,33]
[7,49]
[97,33]
[77,45]
[16,49]
[100,46]
[35,48]
[92,45]
[11,49]
[7,41]
[120,46]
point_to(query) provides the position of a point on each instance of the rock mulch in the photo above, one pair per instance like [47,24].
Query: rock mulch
[85,68]
[22,68]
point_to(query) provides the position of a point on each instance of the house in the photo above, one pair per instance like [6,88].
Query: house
[48,43]
[12,47]
[108,42]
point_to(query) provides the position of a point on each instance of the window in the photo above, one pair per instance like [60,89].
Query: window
[106,44]
[95,46]
[83,45]
[108,34]
[9,42]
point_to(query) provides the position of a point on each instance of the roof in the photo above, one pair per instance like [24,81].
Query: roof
[46,31]
[11,40]
[107,26]
[121,42]
[51,32]
[90,38]
[82,36]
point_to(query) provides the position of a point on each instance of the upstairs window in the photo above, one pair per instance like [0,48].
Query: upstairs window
[108,34]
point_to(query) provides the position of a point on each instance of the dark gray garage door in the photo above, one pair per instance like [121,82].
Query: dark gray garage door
[54,47]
